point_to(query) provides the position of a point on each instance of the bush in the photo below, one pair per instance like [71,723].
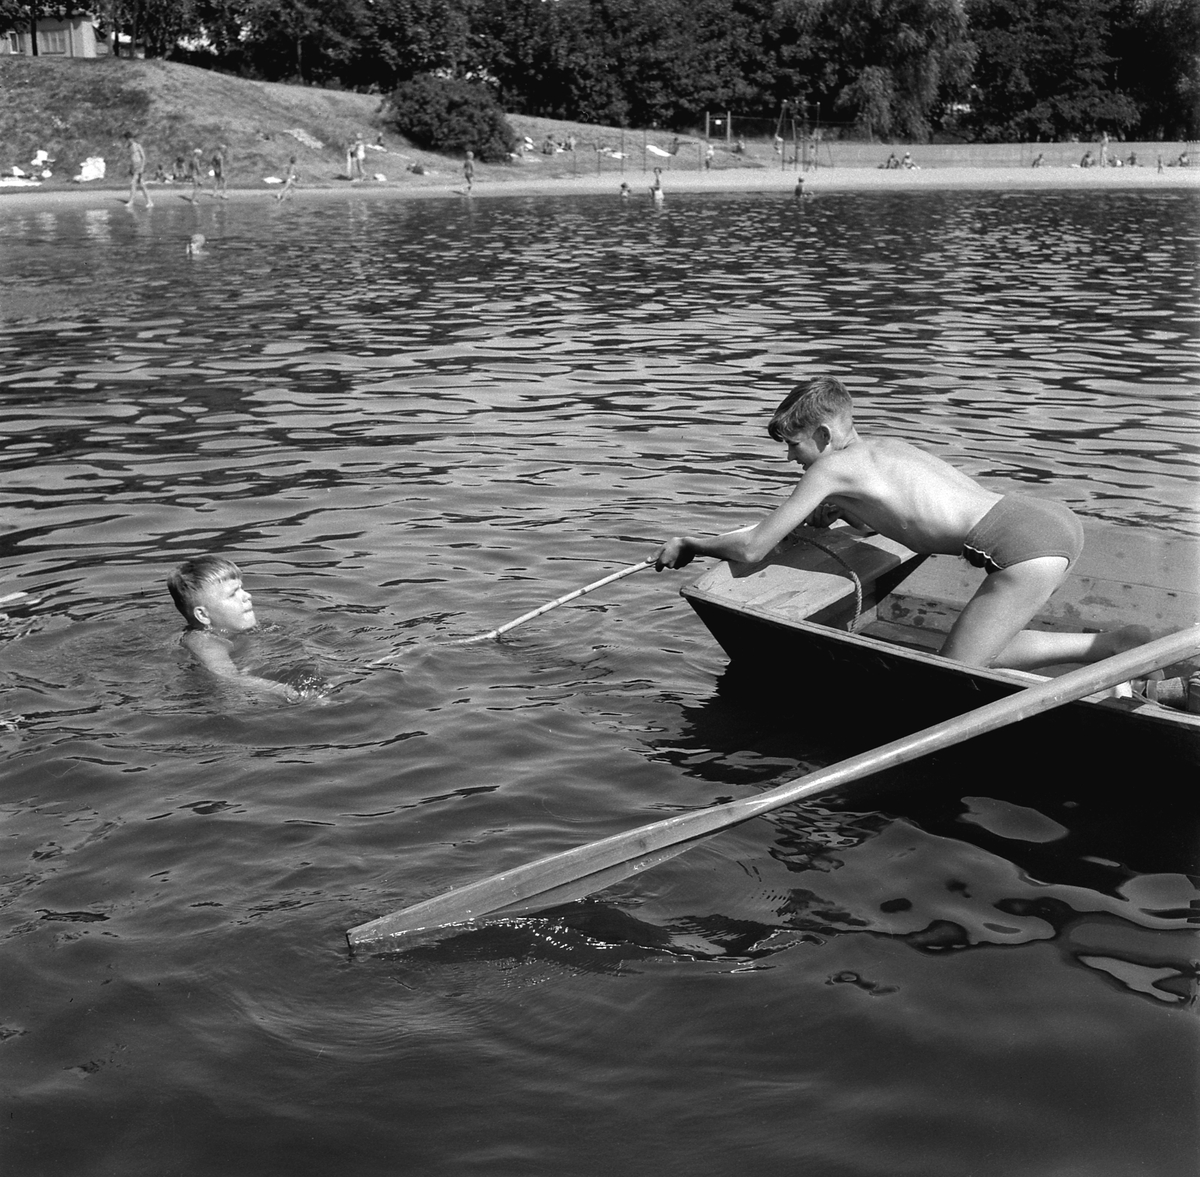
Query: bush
[441,114]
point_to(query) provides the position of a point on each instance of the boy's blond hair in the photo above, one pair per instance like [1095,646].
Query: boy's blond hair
[813,403]
[191,576]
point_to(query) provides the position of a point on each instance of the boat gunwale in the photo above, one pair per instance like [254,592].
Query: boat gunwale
[1010,680]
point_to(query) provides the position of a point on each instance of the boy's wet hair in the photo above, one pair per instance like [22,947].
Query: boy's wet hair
[191,576]
[810,404]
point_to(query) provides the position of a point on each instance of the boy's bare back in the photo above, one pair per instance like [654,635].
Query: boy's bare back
[898,490]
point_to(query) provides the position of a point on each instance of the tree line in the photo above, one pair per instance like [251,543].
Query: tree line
[984,70]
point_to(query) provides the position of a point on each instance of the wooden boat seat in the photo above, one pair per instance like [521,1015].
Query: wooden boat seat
[799,581]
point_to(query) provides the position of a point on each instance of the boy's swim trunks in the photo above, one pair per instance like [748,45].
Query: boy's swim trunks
[1019,528]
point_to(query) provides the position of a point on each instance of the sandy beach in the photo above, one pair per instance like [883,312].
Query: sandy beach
[522,181]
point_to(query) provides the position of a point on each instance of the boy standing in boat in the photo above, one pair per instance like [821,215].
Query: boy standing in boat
[208,592]
[1026,545]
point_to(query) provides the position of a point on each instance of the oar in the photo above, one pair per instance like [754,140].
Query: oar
[571,874]
[579,592]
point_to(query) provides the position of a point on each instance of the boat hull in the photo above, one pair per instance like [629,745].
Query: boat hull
[846,682]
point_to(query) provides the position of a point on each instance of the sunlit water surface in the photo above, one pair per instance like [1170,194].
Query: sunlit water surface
[411,421]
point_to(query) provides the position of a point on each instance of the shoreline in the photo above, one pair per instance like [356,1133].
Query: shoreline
[746,180]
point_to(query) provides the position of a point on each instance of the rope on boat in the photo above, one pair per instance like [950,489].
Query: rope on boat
[858,593]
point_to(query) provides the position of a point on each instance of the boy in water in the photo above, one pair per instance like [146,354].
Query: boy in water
[1026,545]
[208,592]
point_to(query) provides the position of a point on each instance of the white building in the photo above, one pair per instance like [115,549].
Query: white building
[72,36]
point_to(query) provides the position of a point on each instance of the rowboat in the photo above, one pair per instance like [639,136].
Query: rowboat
[851,624]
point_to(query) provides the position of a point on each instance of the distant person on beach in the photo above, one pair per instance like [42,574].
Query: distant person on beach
[137,170]
[218,171]
[1087,161]
[359,155]
[219,613]
[289,179]
[1104,150]
[1025,545]
[708,157]
[907,162]
[1037,163]
[890,163]
[195,174]
[469,170]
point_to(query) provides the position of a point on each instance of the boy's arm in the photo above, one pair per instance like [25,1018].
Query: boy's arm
[214,656]
[748,545]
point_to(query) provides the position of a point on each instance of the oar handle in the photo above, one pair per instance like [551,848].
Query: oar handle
[571,596]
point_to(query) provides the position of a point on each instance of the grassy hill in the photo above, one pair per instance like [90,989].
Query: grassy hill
[76,108]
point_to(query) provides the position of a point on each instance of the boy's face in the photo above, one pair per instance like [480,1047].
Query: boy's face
[224,606]
[806,446]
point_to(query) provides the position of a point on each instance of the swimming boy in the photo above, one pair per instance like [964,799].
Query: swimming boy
[208,592]
[1026,545]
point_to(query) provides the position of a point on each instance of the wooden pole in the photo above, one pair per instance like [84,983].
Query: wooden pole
[573,874]
[571,596]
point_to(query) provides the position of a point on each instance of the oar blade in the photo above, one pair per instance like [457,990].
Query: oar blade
[452,913]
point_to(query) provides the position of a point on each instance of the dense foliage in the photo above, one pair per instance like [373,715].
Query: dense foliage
[451,116]
[986,69]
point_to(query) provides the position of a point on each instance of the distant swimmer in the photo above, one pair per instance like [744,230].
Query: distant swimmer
[195,173]
[624,190]
[290,177]
[137,168]
[195,246]
[656,189]
[218,171]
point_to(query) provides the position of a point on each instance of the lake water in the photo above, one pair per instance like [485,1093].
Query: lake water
[411,421]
